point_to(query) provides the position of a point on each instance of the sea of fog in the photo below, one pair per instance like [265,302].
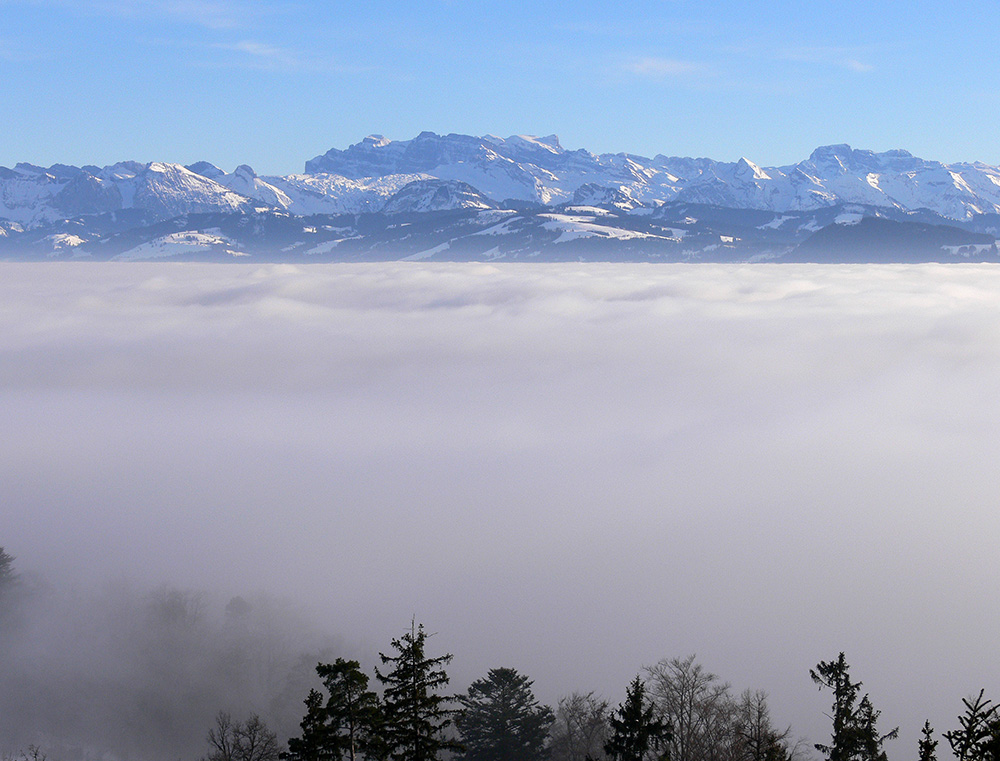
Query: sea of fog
[575,470]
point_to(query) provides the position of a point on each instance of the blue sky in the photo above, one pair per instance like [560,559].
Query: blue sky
[275,83]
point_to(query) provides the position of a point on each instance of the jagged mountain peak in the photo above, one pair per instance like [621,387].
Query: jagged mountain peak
[375,141]
[840,150]
[436,195]
[834,159]
[549,143]
[745,167]
[206,169]
[592,194]
[123,169]
[521,168]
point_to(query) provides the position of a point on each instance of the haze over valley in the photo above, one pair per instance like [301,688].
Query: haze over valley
[574,470]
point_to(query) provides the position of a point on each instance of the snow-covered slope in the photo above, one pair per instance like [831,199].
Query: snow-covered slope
[335,194]
[183,245]
[436,195]
[541,170]
[33,196]
[521,167]
[169,190]
[246,182]
[538,170]
[839,174]
[592,194]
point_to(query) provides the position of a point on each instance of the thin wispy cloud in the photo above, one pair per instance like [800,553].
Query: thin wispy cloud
[209,14]
[844,58]
[646,28]
[661,68]
[262,52]
[601,28]
[255,54]
[858,66]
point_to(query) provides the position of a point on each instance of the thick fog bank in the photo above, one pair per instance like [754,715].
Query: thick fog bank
[575,470]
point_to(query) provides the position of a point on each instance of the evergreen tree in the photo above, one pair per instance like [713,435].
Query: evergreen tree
[501,720]
[927,747]
[835,676]
[344,725]
[979,736]
[416,714]
[637,730]
[312,744]
[7,574]
[869,740]
[855,734]
[352,710]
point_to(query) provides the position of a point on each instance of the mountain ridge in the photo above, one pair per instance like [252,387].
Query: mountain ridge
[441,175]
[521,167]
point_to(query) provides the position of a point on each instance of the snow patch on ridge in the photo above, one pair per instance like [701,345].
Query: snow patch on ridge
[180,244]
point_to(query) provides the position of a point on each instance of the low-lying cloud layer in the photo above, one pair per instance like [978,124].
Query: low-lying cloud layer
[575,470]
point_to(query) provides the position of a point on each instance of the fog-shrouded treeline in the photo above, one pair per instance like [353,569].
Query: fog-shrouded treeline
[128,674]
[132,673]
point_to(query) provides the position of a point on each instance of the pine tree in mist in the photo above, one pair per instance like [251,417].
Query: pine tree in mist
[927,747]
[416,714]
[835,675]
[501,720]
[8,576]
[638,732]
[8,585]
[870,741]
[312,744]
[855,734]
[345,724]
[353,711]
[978,739]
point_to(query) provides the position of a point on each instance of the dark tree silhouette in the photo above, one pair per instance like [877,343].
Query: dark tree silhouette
[416,714]
[855,734]
[699,707]
[756,738]
[312,744]
[353,711]
[500,719]
[7,574]
[638,732]
[978,739]
[250,740]
[927,747]
[580,728]
[344,724]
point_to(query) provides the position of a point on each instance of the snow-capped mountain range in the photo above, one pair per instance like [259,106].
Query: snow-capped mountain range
[433,174]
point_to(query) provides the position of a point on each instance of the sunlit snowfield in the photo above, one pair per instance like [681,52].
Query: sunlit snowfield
[575,470]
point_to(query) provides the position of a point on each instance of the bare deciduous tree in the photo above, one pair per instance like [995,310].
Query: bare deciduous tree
[250,740]
[699,707]
[580,729]
[756,738]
